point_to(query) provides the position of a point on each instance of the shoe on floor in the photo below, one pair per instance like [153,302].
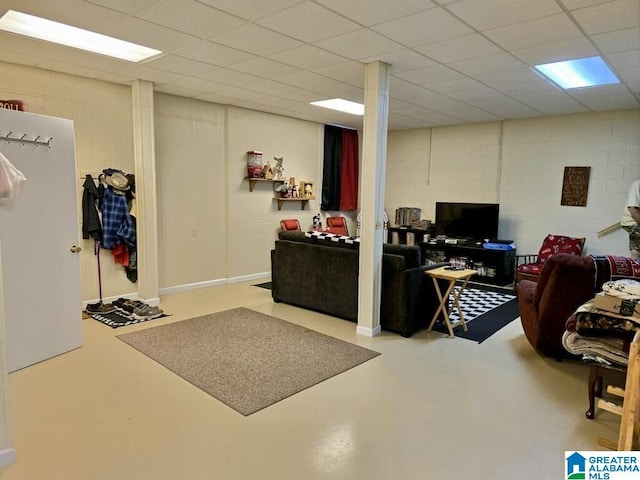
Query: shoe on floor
[147,312]
[100,308]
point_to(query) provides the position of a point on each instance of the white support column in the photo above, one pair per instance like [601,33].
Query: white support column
[146,198]
[374,159]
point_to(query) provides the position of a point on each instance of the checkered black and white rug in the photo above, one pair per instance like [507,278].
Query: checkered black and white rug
[475,302]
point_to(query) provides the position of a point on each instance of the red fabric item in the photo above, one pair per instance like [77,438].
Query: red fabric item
[121,254]
[559,244]
[349,171]
[289,224]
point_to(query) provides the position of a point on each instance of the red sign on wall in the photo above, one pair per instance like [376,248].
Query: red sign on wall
[12,105]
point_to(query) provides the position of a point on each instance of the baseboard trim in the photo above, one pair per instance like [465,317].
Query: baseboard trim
[248,278]
[185,287]
[369,332]
[7,456]
[192,286]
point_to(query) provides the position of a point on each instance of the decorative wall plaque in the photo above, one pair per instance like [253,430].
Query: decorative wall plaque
[12,105]
[575,186]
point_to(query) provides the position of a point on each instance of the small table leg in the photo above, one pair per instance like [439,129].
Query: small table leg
[456,302]
[441,308]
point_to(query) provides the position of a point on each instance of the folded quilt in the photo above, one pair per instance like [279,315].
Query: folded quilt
[608,348]
[592,322]
[623,288]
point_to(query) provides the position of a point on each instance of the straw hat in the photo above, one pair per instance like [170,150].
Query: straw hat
[117,181]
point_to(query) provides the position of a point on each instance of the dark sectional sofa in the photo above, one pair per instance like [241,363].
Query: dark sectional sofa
[322,275]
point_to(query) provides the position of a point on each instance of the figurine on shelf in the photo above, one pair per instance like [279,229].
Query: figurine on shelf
[278,170]
[283,190]
[267,171]
[294,191]
[308,190]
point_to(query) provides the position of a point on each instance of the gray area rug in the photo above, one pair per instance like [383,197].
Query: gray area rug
[246,359]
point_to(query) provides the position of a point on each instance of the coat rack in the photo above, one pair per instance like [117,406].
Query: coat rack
[23,140]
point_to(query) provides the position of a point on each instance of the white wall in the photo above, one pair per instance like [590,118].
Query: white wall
[253,218]
[102,117]
[212,229]
[191,185]
[520,164]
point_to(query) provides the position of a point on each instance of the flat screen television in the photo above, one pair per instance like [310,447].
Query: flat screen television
[476,221]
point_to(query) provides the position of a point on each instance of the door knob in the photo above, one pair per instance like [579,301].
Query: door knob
[75,249]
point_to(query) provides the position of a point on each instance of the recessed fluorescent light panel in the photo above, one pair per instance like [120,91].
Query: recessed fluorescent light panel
[580,73]
[341,105]
[49,31]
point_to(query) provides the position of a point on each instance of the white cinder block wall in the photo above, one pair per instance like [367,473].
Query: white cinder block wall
[101,113]
[213,230]
[520,165]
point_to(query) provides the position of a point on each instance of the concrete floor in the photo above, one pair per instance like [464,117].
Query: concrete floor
[429,407]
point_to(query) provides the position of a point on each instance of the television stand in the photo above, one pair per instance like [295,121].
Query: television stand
[491,266]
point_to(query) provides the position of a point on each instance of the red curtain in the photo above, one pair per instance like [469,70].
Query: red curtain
[349,171]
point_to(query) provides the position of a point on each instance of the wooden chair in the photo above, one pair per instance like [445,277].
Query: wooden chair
[629,411]
[337,225]
[289,224]
[529,266]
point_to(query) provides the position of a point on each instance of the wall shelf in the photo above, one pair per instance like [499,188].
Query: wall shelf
[303,201]
[253,181]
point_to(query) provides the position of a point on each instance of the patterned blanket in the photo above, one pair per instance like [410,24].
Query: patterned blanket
[613,267]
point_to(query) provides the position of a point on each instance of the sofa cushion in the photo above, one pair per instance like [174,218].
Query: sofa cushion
[411,253]
[296,236]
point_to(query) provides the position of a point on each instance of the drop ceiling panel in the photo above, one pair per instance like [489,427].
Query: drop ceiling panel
[608,17]
[411,31]
[374,12]
[125,6]
[307,57]
[294,22]
[348,72]
[460,48]
[402,60]
[501,62]
[214,53]
[430,75]
[179,64]
[263,67]
[501,105]
[232,77]
[251,9]
[543,31]
[256,40]
[555,52]
[619,41]
[468,60]
[489,14]
[602,98]
[190,17]
[359,44]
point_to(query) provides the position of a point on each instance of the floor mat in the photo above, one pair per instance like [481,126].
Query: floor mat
[116,319]
[476,301]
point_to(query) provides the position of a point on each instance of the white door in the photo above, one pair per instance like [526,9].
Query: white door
[41,275]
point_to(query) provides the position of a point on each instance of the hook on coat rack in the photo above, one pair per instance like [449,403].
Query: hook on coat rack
[25,141]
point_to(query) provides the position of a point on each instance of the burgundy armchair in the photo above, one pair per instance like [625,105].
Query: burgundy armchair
[566,282]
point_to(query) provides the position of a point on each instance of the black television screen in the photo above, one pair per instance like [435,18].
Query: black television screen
[467,220]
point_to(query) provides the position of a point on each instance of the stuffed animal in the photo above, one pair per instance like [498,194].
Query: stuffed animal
[278,170]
